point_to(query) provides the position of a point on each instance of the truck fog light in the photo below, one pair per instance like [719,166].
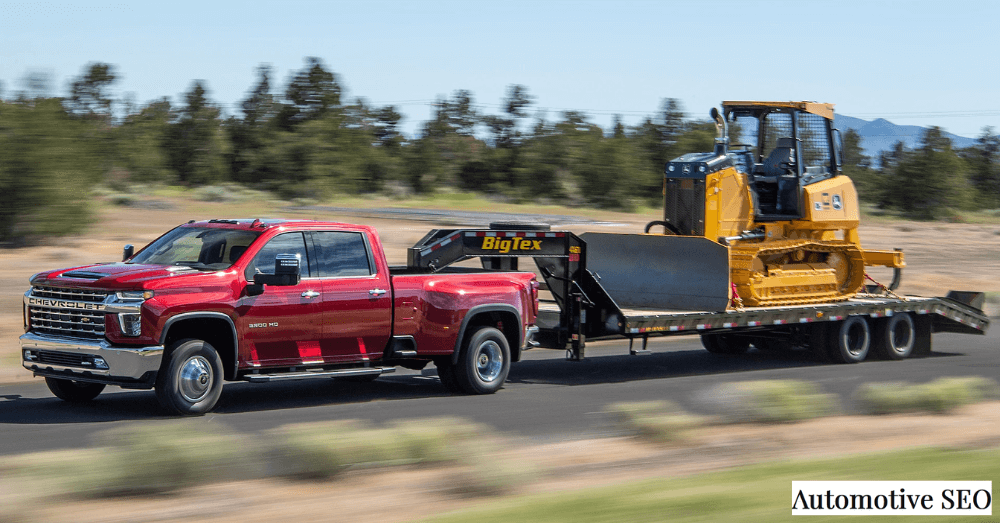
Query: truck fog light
[131,324]
[30,355]
[99,363]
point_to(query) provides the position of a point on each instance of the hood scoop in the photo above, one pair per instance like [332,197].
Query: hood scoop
[83,275]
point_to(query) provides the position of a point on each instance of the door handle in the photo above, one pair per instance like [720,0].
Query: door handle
[310,294]
[376,292]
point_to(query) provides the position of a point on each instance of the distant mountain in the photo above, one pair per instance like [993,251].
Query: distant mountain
[880,134]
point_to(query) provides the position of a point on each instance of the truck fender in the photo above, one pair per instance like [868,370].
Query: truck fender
[234,360]
[515,349]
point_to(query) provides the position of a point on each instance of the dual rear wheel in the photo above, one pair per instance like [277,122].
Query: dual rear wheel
[483,363]
[853,339]
[847,341]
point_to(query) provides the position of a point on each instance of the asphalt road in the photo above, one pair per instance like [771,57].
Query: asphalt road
[546,397]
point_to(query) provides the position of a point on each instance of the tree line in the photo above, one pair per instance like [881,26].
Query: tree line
[306,140]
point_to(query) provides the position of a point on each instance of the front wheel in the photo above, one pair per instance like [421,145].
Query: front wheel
[190,380]
[484,362]
[73,391]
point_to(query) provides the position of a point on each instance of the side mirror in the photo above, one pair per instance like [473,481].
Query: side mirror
[286,272]
[127,252]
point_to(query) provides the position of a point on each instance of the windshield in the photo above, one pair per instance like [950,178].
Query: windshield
[200,248]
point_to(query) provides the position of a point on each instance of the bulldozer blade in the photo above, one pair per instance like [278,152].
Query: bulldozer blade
[661,272]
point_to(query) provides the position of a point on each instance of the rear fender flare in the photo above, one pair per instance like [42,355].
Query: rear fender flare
[215,316]
[515,351]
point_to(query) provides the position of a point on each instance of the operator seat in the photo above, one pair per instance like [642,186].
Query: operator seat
[781,160]
[776,181]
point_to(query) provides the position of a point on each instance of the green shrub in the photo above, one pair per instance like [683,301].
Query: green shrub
[770,401]
[487,471]
[435,440]
[656,421]
[939,396]
[164,457]
[324,450]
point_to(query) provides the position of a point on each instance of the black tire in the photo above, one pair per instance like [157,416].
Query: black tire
[852,341]
[520,226]
[190,380]
[895,337]
[446,372]
[725,343]
[484,361]
[74,391]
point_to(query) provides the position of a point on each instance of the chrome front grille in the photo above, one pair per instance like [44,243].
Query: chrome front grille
[88,295]
[67,312]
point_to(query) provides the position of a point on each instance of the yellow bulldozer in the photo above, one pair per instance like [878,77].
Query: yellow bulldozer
[766,219]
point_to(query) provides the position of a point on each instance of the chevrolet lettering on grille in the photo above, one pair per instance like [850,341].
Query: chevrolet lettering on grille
[63,304]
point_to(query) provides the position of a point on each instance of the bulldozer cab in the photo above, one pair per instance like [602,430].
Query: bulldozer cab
[781,146]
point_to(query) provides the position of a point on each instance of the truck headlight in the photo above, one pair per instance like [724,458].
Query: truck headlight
[131,324]
[133,295]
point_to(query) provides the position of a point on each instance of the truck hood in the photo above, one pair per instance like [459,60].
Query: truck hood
[110,275]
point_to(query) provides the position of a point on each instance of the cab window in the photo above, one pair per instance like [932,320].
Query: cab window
[342,254]
[287,243]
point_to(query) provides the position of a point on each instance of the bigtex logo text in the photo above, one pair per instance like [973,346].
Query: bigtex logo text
[491,243]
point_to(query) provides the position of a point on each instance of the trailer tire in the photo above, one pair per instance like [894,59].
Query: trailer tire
[446,373]
[895,336]
[73,391]
[190,379]
[852,341]
[484,361]
[725,343]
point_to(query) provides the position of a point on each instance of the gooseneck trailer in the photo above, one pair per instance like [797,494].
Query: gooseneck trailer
[606,286]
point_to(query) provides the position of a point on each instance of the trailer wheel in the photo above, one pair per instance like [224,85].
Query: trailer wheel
[852,341]
[446,372]
[484,362]
[895,336]
[190,380]
[725,343]
[73,391]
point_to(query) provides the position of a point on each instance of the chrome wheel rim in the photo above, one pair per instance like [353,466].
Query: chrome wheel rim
[489,361]
[195,379]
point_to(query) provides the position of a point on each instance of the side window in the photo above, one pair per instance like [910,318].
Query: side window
[342,254]
[815,148]
[287,243]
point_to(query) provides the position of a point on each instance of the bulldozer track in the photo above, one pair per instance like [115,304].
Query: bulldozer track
[743,274]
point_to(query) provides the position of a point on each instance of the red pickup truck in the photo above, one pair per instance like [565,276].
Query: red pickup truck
[265,300]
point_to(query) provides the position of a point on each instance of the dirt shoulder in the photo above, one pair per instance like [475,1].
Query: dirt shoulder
[405,494]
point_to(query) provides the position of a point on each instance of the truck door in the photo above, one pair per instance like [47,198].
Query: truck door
[357,301]
[284,324]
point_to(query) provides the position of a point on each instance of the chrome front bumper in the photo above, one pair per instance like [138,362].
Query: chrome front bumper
[74,359]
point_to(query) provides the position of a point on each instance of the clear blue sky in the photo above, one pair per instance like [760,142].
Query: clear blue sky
[913,63]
